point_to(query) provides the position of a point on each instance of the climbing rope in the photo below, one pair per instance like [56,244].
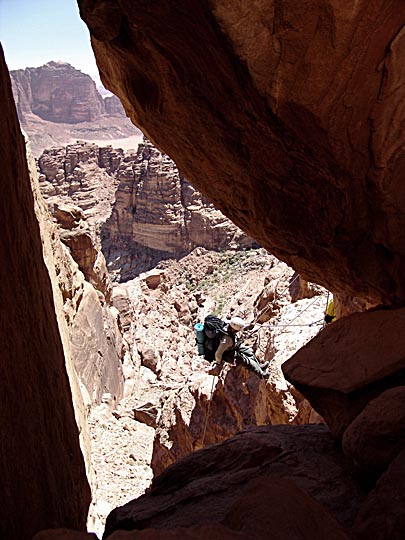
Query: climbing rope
[326,307]
[271,325]
[255,330]
[209,406]
[266,309]
[299,314]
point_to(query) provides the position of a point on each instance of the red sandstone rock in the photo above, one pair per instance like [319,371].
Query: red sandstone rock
[377,435]
[292,112]
[192,418]
[349,363]
[275,508]
[271,508]
[382,515]
[57,103]
[58,92]
[212,485]
[43,478]
[64,534]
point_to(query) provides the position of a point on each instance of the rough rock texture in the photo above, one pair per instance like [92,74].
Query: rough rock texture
[208,486]
[57,103]
[351,362]
[165,303]
[57,92]
[377,434]
[82,174]
[167,384]
[145,210]
[159,215]
[191,418]
[121,454]
[94,340]
[382,515]
[296,111]
[37,421]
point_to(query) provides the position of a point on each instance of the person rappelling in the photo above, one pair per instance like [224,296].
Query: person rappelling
[217,340]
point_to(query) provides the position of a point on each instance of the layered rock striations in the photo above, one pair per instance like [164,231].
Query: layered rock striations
[138,202]
[158,215]
[292,111]
[81,174]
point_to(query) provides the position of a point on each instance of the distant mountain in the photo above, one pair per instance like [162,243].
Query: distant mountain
[57,104]
[58,92]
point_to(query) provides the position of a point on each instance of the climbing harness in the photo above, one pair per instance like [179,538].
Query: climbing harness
[255,330]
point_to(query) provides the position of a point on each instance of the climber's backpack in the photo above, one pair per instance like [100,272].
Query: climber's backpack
[214,328]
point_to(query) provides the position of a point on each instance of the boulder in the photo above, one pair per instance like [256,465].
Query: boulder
[267,504]
[147,414]
[205,486]
[382,515]
[377,435]
[349,363]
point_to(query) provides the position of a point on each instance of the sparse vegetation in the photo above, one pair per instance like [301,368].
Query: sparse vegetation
[227,277]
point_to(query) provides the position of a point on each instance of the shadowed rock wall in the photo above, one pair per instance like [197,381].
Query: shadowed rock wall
[41,467]
[295,108]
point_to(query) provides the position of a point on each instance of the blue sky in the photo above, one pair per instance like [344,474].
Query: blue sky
[33,32]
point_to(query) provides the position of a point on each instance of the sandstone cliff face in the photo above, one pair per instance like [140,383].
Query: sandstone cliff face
[57,92]
[42,469]
[82,174]
[289,108]
[158,215]
[138,201]
[94,342]
[57,103]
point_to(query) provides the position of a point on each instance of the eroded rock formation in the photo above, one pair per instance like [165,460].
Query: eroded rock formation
[146,211]
[57,92]
[57,103]
[81,174]
[289,108]
[43,475]
[93,338]
[158,215]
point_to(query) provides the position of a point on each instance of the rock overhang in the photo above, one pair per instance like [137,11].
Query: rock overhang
[287,117]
